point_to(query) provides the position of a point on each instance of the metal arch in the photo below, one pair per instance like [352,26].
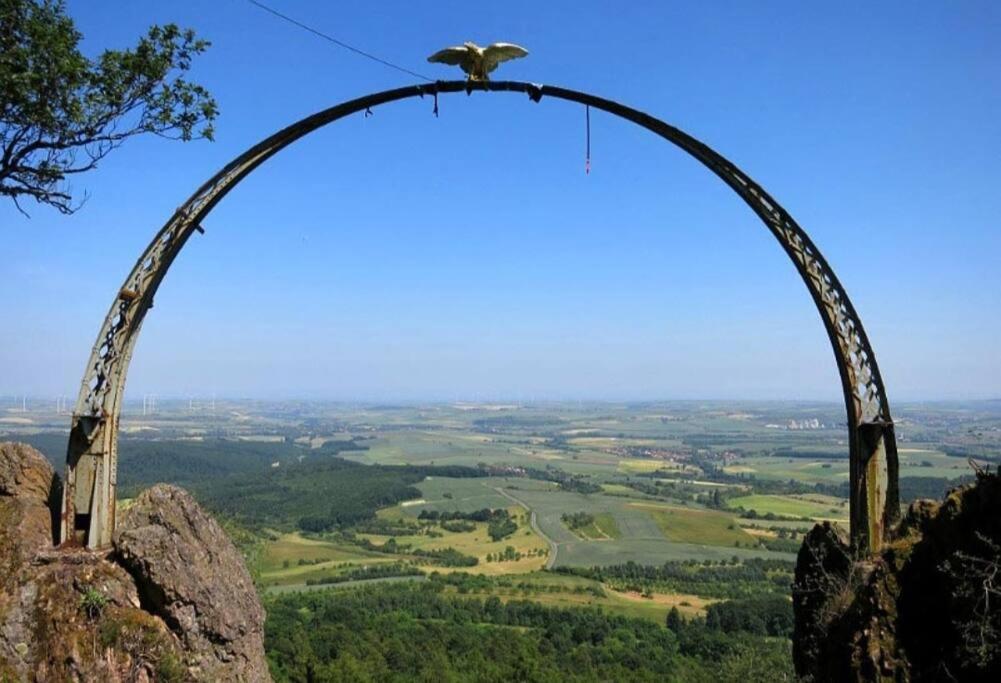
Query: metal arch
[89,494]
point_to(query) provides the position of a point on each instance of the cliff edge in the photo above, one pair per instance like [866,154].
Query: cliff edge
[926,608]
[171,601]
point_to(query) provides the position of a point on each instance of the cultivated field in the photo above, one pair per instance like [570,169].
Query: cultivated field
[811,506]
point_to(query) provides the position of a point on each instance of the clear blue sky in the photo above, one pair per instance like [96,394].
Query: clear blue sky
[408,257]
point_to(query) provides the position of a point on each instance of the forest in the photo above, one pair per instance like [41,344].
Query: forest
[318,494]
[412,631]
[708,578]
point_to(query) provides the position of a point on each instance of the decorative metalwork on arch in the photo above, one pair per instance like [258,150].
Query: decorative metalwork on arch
[89,493]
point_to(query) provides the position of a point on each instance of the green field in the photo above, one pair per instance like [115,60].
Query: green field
[812,506]
[827,471]
[686,525]
[447,494]
[926,461]
[603,528]
[294,559]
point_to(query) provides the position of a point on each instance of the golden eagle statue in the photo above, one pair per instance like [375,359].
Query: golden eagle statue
[478,62]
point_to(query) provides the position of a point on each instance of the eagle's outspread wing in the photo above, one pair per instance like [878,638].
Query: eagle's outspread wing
[501,52]
[478,61]
[450,55]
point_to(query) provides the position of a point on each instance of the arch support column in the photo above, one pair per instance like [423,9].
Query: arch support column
[874,499]
[88,509]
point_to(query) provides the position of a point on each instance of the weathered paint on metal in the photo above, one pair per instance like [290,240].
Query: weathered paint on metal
[88,506]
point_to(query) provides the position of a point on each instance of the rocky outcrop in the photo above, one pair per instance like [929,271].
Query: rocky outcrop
[190,575]
[173,601]
[26,483]
[927,608]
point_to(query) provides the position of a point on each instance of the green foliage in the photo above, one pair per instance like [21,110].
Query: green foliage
[413,633]
[139,635]
[375,571]
[447,557]
[390,527]
[763,615]
[501,527]
[61,113]
[913,488]
[170,669]
[578,485]
[510,554]
[733,579]
[458,526]
[315,496]
[93,602]
[310,489]
[420,632]
[499,522]
[465,583]
[482,515]
[577,520]
[674,620]
[781,545]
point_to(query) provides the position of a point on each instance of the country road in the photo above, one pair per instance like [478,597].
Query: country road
[553,545]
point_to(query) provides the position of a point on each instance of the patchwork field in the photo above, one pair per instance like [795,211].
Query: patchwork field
[478,544]
[650,533]
[626,527]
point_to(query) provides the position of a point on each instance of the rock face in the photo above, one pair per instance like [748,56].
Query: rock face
[26,483]
[927,608]
[173,602]
[190,575]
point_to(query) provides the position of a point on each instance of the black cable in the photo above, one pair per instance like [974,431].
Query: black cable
[587,154]
[337,42]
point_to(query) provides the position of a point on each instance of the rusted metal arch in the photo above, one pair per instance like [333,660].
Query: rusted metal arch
[89,494]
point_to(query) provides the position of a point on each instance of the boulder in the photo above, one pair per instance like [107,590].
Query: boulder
[191,575]
[28,487]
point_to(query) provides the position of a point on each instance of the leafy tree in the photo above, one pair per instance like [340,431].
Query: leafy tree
[674,621]
[61,113]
